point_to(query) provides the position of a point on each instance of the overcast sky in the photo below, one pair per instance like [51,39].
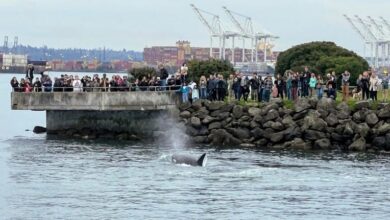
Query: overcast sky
[134,24]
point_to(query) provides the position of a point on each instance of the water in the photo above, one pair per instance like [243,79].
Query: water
[69,179]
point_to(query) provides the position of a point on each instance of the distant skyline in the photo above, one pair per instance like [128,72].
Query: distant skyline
[133,25]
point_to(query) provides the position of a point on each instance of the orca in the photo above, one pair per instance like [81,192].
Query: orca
[189,160]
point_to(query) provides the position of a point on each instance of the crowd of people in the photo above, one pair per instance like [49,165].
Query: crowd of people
[291,85]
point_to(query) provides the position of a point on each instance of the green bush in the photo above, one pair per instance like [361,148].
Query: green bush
[321,58]
[197,68]
[139,73]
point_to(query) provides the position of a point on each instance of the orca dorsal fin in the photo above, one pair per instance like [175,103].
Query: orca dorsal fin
[202,159]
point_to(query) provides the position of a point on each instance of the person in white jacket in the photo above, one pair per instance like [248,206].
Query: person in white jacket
[374,82]
[77,85]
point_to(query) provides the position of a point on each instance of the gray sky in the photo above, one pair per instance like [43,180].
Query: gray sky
[134,24]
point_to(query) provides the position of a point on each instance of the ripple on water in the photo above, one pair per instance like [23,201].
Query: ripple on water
[108,180]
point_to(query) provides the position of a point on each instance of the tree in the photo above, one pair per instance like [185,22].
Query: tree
[197,68]
[321,58]
[139,73]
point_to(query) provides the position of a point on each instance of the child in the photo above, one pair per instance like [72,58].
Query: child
[331,92]
[184,90]
[195,93]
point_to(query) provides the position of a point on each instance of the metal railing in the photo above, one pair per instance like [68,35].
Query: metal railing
[103,89]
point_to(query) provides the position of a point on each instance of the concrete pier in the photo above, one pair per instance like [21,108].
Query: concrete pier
[100,113]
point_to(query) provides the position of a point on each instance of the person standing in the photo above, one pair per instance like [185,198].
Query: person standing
[195,93]
[15,85]
[163,77]
[203,87]
[183,72]
[385,86]
[319,86]
[294,87]
[37,86]
[288,86]
[365,85]
[230,89]
[30,73]
[261,89]
[312,84]
[185,90]
[236,87]
[305,81]
[77,84]
[254,85]
[374,82]
[279,83]
[345,85]
[267,88]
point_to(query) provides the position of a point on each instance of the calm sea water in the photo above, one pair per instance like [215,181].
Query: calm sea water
[42,178]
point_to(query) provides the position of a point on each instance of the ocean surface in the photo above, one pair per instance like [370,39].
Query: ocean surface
[43,178]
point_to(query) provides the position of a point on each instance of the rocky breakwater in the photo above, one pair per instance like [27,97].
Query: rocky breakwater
[309,124]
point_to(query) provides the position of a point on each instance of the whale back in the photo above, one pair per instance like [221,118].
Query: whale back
[188,160]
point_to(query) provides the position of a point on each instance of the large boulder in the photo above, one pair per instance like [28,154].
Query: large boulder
[185,114]
[323,143]
[254,111]
[215,125]
[297,143]
[223,115]
[288,122]
[326,104]
[312,121]
[277,126]
[360,116]
[227,108]
[292,133]
[195,122]
[384,112]
[379,142]
[271,115]
[302,105]
[372,119]
[201,113]
[208,119]
[197,104]
[184,106]
[238,111]
[276,137]
[332,120]
[39,130]
[212,106]
[241,133]
[200,139]
[222,137]
[343,107]
[257,133]
[364,104]
[268,107]
[362,129]
[358,145]
[314,135]
[384,129]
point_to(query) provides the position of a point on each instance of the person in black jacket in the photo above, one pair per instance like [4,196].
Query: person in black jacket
[163,76]
[30,73]
[221,88]
[365,85]
[15,85]
[280,85]
[37,86]
[254,83]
